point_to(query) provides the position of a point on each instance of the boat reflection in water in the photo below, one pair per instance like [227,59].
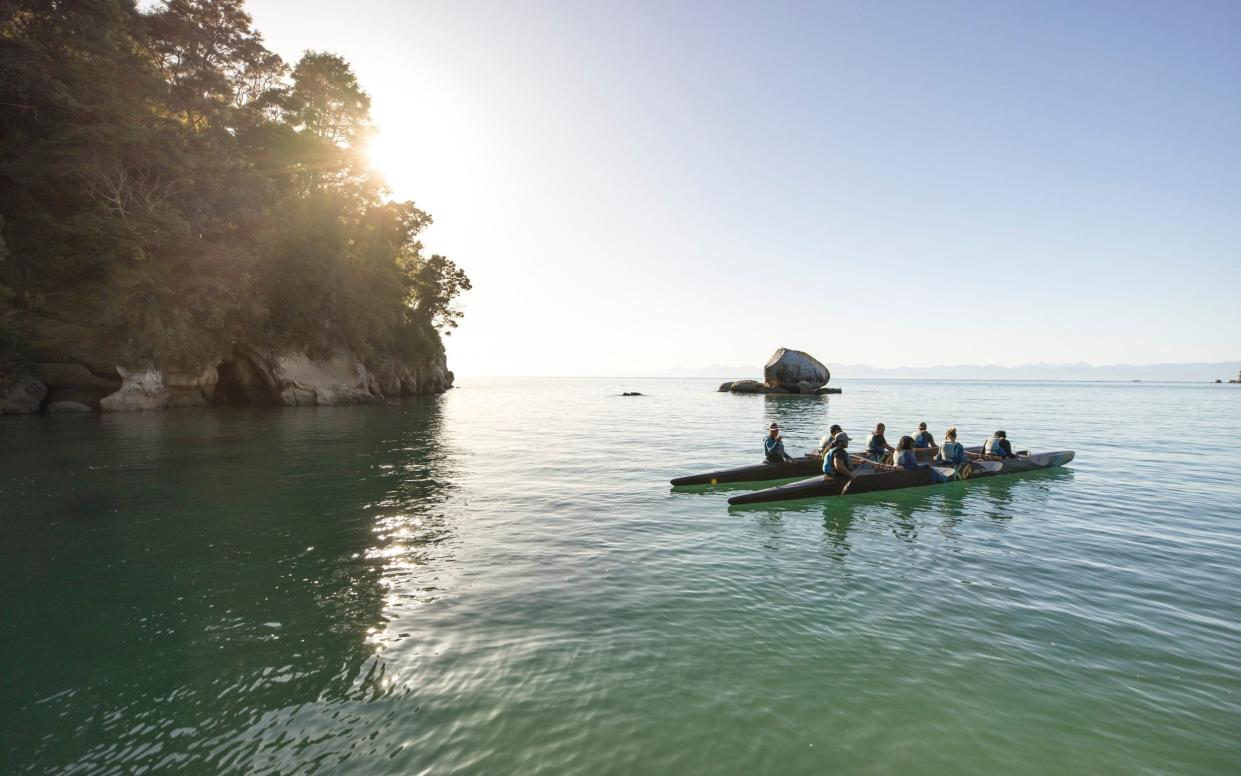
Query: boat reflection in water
[949,506]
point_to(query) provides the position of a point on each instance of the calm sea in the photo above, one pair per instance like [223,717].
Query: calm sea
[501,580]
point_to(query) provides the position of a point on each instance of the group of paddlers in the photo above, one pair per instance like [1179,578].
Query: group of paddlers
[838,462]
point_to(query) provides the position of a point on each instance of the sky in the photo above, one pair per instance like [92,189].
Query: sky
[637,186]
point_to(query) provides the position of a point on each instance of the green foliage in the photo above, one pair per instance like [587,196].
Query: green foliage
[168,180]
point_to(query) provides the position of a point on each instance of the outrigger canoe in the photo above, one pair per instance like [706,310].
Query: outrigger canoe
[764,472]
[867,479]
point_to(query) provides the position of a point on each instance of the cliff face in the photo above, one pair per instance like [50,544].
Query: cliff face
[73,377]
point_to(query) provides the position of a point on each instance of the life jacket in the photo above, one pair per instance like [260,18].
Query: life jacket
[905,459]
[952,452]
[874,444]
[829,461]
[921,440]
[992,447]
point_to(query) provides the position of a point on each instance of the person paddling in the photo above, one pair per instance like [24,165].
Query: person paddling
[876,445]
[923,439]
[905,457]
[999,446]
[836,460]
[825,443]
[951,451]
[773,446]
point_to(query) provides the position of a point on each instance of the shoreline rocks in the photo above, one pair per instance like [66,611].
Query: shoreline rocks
[23,395]
[141,390]
[754,386]
[244,376]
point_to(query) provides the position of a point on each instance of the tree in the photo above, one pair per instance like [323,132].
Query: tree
[166,179]
[435,283]
[327,102]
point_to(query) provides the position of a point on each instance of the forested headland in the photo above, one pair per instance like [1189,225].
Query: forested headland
[190,218]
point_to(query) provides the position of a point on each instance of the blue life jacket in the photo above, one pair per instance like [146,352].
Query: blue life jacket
[829,461]
[992,447]
[922,439]
[952,452]
[875,443]
[906,459]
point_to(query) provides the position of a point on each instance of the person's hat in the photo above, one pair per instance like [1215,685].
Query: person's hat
[922,426]
[773,425]
[835,429]
[840,439]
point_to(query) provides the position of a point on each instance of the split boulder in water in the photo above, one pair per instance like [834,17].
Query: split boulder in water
[795,371]
[787,371]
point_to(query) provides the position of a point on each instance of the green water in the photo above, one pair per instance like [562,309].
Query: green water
[500,580]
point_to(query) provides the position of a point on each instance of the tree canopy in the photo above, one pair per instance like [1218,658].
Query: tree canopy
[168,179]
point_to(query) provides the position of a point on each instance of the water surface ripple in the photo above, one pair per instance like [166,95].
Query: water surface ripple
[501,580]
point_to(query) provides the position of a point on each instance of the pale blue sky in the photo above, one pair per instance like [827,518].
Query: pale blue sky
[638,186]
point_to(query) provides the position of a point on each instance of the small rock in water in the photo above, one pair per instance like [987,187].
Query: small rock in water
[631,393]
[68,406]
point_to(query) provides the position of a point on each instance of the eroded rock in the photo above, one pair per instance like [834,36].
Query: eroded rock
[22,395]
[141,389]
[190,388]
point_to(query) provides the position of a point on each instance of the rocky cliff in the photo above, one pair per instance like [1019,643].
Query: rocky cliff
[69,375]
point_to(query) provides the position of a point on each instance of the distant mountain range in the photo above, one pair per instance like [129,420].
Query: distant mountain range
[1197,373]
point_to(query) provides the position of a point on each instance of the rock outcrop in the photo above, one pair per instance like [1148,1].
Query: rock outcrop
[747,386]
[22,395]
[191,388]
[77,382]
[787,372]
[251,376]
[296,380]
[796,371]
[141,389]
[72,373]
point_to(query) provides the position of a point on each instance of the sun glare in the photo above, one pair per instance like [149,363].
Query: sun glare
[386,158]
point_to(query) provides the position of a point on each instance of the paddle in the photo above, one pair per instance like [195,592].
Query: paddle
[883,467]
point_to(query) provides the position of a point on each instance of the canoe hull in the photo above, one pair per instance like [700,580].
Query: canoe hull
[759,472]
[873,482]
[765,472]
[814,487]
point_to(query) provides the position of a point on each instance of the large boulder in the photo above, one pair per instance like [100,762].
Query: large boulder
[141,389]
[22,395]
[796,371]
